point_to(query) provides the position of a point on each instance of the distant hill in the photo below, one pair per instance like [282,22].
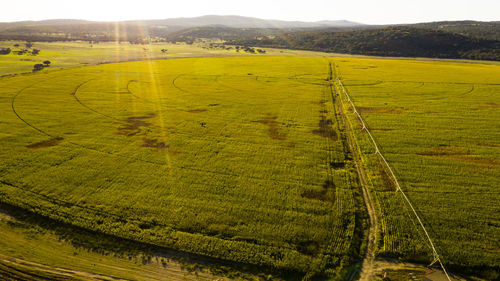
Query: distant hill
[209,20]
[61,29]
[398,41]
[244,22]
[478,29]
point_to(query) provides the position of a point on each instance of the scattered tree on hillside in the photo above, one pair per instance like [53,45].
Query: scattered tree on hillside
[4,51]
[20,52]
[38,67]
[29,45]
[35,52]
[46,63]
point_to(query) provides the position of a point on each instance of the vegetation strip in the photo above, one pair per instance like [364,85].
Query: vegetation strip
[369,257]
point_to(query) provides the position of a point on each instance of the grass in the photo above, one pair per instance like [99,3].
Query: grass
[223,157]
[437,125]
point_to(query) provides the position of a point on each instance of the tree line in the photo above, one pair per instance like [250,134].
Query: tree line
[400,41]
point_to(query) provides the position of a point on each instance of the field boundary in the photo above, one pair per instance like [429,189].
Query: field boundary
[393,176]
[366,270]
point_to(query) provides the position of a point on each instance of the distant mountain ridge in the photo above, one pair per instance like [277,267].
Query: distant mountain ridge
[208,20]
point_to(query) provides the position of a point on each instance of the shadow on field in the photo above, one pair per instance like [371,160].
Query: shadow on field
[109,245]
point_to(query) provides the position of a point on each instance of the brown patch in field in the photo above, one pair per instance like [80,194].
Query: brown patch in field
[197,110]
[458,154]
[326,194]
[488,144]
[154,143]
[393,110]
[337,165]
[487,106]
[308,247]
[386,179]
[273,126]
[45,143]
[321,103]
[325,129]
[381,129]
[134,124]
[444,151]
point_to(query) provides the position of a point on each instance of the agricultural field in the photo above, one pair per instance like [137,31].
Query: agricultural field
[237,159]
[247,159]
[74,54]
[438,125]
[78,54]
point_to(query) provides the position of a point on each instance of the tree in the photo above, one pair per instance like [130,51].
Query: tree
[46,63]
[164,50]
[35,52]
[38,67]
[29,45]
[16,45]
[4,51]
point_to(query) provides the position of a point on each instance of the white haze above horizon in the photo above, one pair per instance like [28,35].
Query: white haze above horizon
[362,11]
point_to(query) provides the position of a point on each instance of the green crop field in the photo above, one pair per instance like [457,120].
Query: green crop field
[438,125]
[246,159]
[233,158]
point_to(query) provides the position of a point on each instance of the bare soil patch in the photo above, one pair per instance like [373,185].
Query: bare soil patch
[154,143]
[392,110]
[488,105]
[134,124]
[385,178]
[308,247]
[381,129]
[458,154]
[197,110]
[325,129]
[273,126]
[444,151]
[46,143]
[321,103]
[326,194]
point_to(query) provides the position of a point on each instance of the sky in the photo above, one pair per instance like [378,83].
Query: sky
[363,11]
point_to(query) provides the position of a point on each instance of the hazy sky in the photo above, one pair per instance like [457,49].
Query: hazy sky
[364,11]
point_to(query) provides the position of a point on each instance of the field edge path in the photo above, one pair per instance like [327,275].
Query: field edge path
[367,266]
